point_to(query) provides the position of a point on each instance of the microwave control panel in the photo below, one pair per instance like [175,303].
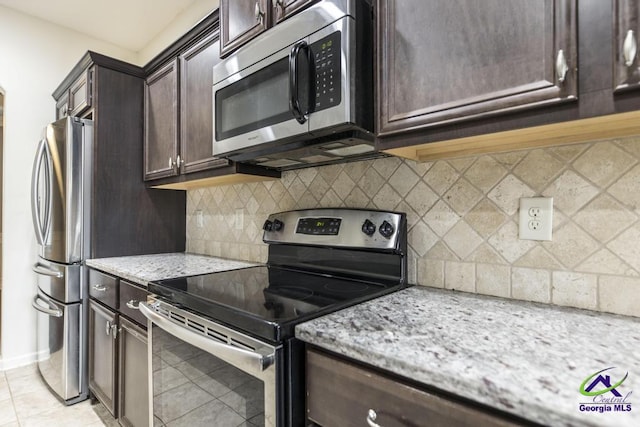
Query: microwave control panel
[326,55]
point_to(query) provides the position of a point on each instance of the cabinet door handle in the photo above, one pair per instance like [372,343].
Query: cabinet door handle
[171,163]
[259,13]
[629,48]
[115,331]
[561,66]
[179,161]
[133,304]
[99,288]
[371,419]
[107,327]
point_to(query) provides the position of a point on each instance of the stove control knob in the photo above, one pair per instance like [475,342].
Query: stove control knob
[267,226]
[277,225]
[368,227]
[386,229]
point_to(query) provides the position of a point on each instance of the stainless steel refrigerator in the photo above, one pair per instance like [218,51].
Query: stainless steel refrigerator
[60,205]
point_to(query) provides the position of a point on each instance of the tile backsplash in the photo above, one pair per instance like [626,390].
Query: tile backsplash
[463,219]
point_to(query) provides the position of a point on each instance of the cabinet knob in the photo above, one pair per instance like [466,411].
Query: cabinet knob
[179,161]
[371,419]
[258,12]
[561,66]
[107,327]
[629,48]
[171,163]
[133,304]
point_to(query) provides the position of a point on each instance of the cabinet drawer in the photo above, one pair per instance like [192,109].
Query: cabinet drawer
[104,288]
[344,394]
[130,296]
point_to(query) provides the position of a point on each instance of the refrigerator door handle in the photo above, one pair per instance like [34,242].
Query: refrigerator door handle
[35,189]
[55,311]
[41,269]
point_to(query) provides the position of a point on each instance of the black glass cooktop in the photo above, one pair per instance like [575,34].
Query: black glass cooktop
[266,302]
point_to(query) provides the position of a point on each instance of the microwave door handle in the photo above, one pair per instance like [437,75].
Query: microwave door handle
[294,101]
[35,189]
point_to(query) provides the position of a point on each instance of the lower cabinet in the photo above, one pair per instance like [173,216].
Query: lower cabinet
[341,393]
[103,354]
[134,385]
[118,361]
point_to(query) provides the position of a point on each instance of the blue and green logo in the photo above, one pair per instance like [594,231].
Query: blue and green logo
[604,392]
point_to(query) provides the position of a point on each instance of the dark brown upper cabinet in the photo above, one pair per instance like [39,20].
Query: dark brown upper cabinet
[240,21]
[78,97]
[196,106]
[161,122]
[627,31]
[282,9]
[442,62]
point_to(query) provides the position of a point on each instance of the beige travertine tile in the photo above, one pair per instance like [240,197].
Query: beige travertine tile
[626,189]
[371,182]
[356,170]
[627,246]
[493,280]
[412,217]
[604,218]
[531,284]
[441,177]
[386,198]
[329,200]
[462,163]
[331,172]
[506,242]
[510,159]
[605,262]
[431,273]
[485,173]
[575,289]
[603,163]
[538,257]
[507,193]
[570,192]
[318,187]
[460,276]
[307,175]
[631,144]
[570,245]
[421,168]
[485,218]
[462,196]
[486,254]
[441,218]
[440,251]
[569,152]
[403,179]
[386,166]
[620,295]
[538,169]
[421,198]
[422,238]
[462,239]
[356,199]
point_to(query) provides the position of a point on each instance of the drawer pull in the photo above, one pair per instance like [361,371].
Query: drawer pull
[629,48]
[99,288]
[561,66]
[371,418]
[133,304]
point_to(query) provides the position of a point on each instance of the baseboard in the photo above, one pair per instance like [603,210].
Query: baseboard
[24,360]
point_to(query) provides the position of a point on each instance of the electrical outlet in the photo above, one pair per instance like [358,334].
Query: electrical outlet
[199,219]
[536,218]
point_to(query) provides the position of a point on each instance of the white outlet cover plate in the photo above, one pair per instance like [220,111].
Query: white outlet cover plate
[544,232]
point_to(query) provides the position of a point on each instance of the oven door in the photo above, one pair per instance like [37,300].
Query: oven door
[202,373]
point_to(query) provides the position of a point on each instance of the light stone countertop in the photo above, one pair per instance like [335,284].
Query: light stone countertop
[142,269]
[524,358]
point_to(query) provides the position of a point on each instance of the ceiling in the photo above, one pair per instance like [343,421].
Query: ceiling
[130,24]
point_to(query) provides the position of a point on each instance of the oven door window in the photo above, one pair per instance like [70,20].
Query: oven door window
[192,387]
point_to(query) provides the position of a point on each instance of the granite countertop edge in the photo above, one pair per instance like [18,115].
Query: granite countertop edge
[143,269]
[443,340]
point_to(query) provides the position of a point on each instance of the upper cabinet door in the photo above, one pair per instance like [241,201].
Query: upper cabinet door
[282,9]
[81,93]
[241,20]
[627,32]
[161,122]
[196,112]
[445,61]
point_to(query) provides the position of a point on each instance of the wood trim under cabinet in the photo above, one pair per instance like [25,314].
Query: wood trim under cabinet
[572,132]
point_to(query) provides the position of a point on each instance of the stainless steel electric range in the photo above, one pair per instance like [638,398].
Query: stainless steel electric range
[222,345]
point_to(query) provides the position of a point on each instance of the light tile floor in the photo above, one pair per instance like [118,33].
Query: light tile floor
[26,401]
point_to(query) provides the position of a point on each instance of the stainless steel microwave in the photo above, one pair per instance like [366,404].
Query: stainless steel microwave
[301,93]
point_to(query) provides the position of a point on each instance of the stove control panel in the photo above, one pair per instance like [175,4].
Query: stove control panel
[339,227]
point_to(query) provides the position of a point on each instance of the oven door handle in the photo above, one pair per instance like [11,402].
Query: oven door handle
[253,363]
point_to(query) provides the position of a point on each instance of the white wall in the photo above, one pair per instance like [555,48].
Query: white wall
[34,58]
